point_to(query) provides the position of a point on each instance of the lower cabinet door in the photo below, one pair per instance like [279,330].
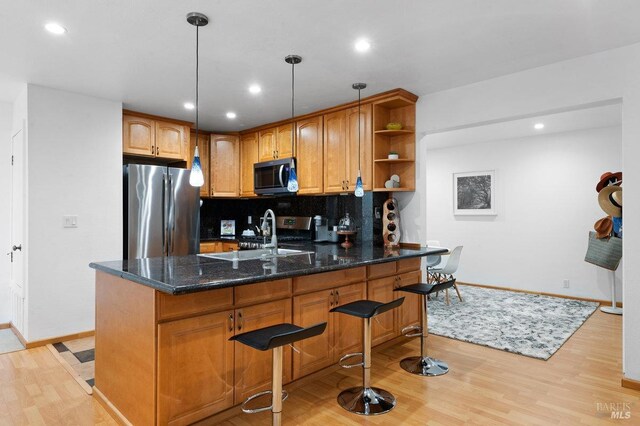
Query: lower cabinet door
[347,328]
[315,352]
[381,290]
[409,312]
[195,368]
[253,368]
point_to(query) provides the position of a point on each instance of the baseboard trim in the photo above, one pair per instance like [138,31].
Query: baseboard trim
[5,325]
[43,342]
[19,335]
[630,384]
[542,293]
[110,408]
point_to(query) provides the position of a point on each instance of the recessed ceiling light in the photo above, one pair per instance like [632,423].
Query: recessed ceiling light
[539,126]
[231,114]
[189,105]
[362,45]
[255,89]
[55,28]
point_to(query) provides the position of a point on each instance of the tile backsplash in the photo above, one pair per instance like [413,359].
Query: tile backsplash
[333,207]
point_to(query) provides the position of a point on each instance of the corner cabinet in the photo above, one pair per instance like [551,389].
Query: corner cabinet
[397,109]
[143,136]
[249,154]
[309,155]
[225,165]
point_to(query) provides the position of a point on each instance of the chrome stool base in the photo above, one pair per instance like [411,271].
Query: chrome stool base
[366,401]
[426,366]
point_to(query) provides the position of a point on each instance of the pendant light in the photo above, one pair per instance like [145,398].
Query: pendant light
[196,177]
[359,191]
[292,183]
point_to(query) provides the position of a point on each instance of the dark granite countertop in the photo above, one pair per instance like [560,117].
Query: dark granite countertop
[188,274]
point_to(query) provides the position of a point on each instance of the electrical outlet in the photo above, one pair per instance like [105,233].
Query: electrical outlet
[565,283]
[69,221]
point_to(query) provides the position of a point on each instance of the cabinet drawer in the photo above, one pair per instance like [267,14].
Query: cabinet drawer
[251,294]
[211,247]
[326,280]
[381,270]
[194,303]
[406,265]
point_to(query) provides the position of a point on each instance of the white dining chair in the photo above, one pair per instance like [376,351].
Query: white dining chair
[434,260]
[445,272]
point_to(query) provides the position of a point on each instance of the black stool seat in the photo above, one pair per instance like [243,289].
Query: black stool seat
[422,288]
[273,336]
[367,308]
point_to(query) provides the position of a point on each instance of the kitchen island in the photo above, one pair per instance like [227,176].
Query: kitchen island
[163,354]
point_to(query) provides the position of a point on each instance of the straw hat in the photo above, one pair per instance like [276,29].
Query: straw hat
[603,227]
[608,178]
[610,200]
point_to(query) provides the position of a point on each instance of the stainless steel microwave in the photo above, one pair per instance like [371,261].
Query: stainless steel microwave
[271,177]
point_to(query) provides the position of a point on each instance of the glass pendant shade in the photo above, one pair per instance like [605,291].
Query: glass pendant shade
[196,178]
[292,184]
[359,192]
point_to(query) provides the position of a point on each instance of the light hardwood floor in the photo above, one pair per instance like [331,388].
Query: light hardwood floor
[484,386]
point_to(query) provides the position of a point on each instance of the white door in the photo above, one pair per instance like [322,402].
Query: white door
[17,248]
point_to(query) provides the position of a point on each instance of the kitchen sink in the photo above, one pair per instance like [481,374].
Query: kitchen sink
[264,254]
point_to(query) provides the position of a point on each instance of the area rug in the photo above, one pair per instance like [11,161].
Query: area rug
[522,323]
[78,358]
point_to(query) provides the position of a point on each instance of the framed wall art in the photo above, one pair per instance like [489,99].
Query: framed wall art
[474,193]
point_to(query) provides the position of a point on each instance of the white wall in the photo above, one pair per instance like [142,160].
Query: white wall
[546,203]
[6,123]
[74,168]
[607,75]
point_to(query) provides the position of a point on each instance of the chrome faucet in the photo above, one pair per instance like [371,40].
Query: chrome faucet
[274,240]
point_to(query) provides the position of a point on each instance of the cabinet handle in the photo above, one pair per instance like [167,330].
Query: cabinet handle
[230,322]
[332,298]
[273,153]
[337,297]
[347,184]
[277,154]
[240,320]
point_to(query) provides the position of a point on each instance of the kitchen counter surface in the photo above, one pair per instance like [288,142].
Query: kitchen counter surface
[188,274]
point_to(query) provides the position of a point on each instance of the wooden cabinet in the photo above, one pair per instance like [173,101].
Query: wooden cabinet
[225,166]
[275,143]
[195,367]
[148,137]
[409,312]
[203,150]
[323,350]
[398,109]
[253,368]
[381,290]
[341,149]
[218,246]
[309,155]
[249,155]
[138,136]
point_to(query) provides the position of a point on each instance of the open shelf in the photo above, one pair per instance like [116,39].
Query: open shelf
[388,160]
[394,132]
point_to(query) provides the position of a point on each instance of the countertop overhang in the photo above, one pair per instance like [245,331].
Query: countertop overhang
[193,273]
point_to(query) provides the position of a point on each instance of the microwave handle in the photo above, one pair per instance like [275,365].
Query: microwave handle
[280,175]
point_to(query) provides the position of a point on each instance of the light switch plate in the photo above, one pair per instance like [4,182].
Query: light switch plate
[69,221]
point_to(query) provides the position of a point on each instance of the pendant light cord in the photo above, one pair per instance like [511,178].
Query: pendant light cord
[197,78]
[293,95]
[359,118]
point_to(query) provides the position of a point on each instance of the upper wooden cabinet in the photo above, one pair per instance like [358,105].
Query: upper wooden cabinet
[225,166]
[249,155]
[275,143]
[341,149]
[203,151]
[309,155]
[148,137]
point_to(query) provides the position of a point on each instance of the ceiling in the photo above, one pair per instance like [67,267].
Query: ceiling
[142,52]
[581,119]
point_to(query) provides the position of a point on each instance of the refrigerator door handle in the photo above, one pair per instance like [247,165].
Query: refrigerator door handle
[171,217]
[164,214]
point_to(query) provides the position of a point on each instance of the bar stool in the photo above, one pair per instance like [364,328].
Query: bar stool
[365,399]
[275,337]
[424,365]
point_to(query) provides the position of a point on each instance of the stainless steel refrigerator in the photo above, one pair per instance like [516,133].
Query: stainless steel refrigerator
[161,212]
